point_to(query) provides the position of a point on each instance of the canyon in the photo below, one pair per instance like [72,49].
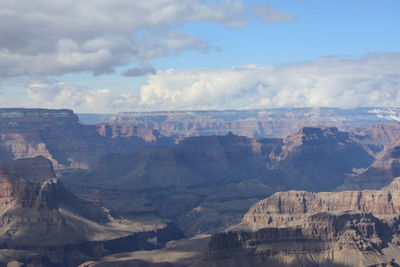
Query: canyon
[206,183]
[118,189]
[40,216]
[58,135]
[294,228]
[258,123]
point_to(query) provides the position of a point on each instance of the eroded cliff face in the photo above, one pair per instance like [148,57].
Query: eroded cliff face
[295,228]
[40,215]
[189,182]
[319,158]
[382,171]
[298,228]
[58,136]
[206,183]
[130,130]
[285,209]
[380,136]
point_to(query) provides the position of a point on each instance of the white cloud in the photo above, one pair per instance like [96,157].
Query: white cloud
[53,94]
[45,37]
[370,81]
[271,15]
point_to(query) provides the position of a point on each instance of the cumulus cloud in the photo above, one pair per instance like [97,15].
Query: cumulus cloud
[373,80]
[44,37]
[271,15]
[54,94]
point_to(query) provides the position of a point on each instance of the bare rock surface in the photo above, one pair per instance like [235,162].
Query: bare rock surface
[382,171]
[207,183]
[59,136]
[40,215]
[298,228]
[295,228]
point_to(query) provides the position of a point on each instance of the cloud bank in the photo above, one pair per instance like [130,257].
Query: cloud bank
[373,80]
[370,81]
[53,94]
[47,37]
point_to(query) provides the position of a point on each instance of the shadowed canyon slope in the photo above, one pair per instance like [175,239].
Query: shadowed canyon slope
[38,214]
[207,183]
[295,228]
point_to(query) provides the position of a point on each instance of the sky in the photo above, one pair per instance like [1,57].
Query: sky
[103,56]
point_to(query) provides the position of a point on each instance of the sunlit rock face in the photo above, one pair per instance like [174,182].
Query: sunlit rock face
[58,136]
[295,228]
[299,228]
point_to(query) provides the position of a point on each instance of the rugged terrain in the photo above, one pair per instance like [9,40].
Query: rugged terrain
[294,228]
[38,214]
[58,135]
[203,184]
[350,228]
[207,183]
[277,122]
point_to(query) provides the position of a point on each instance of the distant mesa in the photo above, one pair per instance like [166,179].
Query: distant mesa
[258,123]
[59,136]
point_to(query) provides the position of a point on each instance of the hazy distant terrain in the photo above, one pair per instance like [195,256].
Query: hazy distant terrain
[277,122]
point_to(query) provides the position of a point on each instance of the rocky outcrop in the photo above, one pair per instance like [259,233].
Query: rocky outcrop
[381,135]
[285,209]
[40,215]
[129,130]
[323,239]
[298,228]
[58,136]
[319,158]
[382,171]
[295,228]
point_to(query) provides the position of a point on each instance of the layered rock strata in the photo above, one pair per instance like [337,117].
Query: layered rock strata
[38,214]
[58,136]
[206,183]
[298,228]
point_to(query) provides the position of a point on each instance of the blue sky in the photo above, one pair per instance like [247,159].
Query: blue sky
[297,53]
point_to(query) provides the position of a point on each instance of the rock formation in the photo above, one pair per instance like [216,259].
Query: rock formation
[58,136]
[38,214]
[295,228]
[319,158]
[206,183]
[382,171]
[298,228]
